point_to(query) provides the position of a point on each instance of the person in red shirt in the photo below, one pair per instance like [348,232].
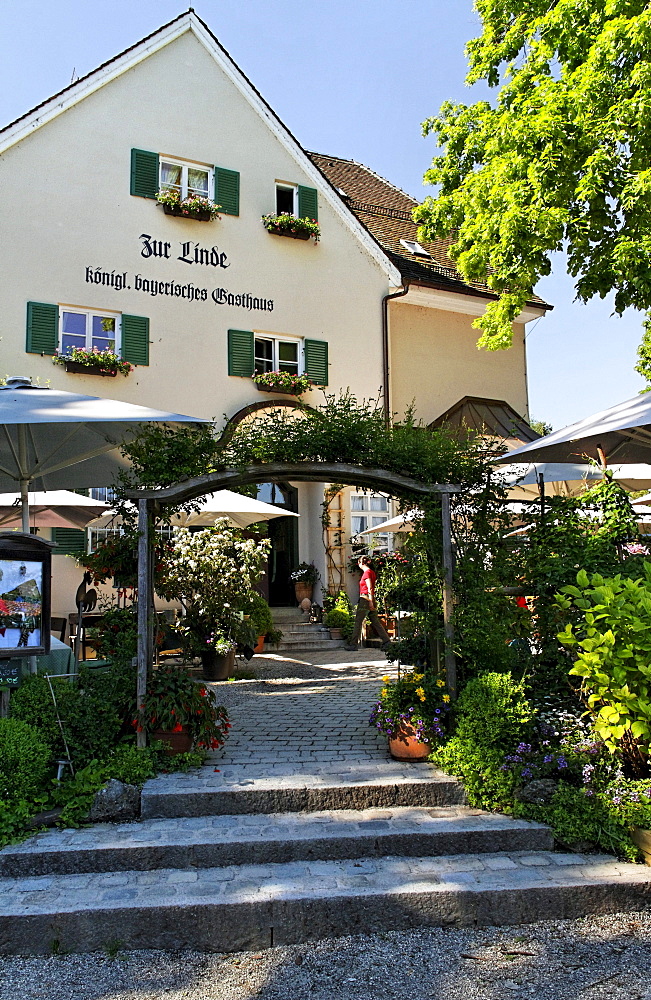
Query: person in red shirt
[366,605]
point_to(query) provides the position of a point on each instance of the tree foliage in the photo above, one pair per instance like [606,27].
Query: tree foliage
[561,160]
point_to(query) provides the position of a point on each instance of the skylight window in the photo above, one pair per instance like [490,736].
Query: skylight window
[415,248]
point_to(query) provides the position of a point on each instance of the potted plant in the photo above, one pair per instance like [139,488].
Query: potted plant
[283,382]
[193,207]
[336,620]
[411,711]
[181,712]
[259,615]
[93,362]
[212,573]
[304,577]
[286,224]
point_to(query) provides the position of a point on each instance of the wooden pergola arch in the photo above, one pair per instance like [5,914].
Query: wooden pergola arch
[380,480]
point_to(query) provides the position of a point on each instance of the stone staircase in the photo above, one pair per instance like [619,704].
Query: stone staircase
[299,633]
[249,859]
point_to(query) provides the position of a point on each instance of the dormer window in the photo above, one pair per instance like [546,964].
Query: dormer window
[413,247]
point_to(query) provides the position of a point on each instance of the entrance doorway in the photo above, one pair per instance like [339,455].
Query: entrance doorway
[283,534]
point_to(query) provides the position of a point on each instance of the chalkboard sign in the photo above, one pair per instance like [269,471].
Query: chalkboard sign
[25,564]
[10,674]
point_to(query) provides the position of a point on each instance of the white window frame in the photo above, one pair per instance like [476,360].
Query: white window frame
[276,339]
[89,313]
[185,166]
[382,542]
[287,186]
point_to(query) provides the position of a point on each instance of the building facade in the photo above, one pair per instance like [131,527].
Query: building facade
[199,306]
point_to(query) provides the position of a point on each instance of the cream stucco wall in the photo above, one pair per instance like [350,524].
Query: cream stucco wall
[81,215]
[434,360]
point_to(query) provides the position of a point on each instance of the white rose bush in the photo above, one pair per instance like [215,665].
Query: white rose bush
[212,573]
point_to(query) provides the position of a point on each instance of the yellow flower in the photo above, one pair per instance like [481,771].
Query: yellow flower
[385,680]
[440,683]
[417,677]
[383,693]
[421,693]
[446,697]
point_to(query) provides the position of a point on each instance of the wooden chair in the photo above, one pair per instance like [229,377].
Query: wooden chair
[58,627]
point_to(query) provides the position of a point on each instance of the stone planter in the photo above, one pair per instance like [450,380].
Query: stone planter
[406,746]
[642,838]
[176,742]
[217,667]
[203,216]
[275,231]
[78,369]
[303,590]
[335,633]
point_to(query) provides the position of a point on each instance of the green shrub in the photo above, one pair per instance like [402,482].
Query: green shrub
[336,619]
[90,723]
[493,712]
[116,636]
[259,613]
[480,770]
[24,760]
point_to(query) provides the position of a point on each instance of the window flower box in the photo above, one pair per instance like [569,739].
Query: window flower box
[284,383]
[289,225]
[78,369]
[95,362]
[193,207]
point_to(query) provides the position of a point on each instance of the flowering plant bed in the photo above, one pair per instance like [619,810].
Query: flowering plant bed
[290,225]
[284,382]
[94,362]
[415,701]
[193,207]
[174,702]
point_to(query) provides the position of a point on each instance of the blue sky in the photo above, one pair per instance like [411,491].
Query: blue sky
[354,78]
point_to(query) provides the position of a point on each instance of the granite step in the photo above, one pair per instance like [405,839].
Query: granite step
[298,786]
[308,642]
[251,907]
[221,841]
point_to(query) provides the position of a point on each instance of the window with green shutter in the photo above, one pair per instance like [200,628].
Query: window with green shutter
[144,173]
[227,190]
[135,340]
[240,353]
[69,541]
[316,361]
[308,203]
[42,328]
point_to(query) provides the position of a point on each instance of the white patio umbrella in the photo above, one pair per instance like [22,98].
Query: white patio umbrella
[569,478]
[403,522]
[50,509]
[621,433]
[240,510]
[55,440]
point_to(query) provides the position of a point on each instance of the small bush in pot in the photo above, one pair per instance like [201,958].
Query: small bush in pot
[338,621]
[175,703]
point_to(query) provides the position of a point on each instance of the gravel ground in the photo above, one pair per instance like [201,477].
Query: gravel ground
[592,959]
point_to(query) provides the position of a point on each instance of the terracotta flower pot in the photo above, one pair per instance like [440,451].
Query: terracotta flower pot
[405,745]
[642,838]
[177,741]
[335,633]
[260,646]
[303,590]
[216,667]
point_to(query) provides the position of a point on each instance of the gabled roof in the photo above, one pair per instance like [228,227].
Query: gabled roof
[386,212]
[190,22]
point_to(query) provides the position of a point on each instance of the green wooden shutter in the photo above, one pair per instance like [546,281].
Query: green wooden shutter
[308,203]
[227,190]
[69,541]
[316,361]
[144,173]
[135,340]
[42,328]
[240,353]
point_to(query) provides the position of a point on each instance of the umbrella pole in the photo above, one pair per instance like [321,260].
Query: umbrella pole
[448,571]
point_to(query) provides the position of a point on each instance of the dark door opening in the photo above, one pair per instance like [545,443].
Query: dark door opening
[283,534]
